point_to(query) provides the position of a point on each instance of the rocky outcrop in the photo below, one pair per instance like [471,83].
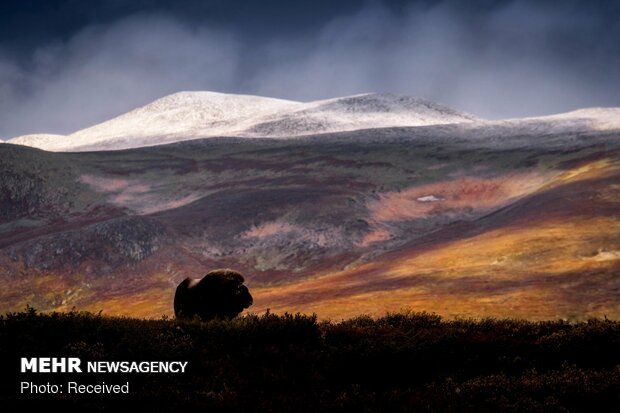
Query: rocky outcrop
[34,184]
[110,245]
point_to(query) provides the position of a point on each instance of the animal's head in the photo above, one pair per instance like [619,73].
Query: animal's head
[228,283]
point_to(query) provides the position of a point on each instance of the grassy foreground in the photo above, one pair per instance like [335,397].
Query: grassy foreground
[292,363]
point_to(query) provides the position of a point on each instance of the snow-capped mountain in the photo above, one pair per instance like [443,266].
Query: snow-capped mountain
[189,115]
[356,112]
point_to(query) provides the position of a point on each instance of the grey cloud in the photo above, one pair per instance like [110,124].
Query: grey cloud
[511,61]
[104,71]
[514,59]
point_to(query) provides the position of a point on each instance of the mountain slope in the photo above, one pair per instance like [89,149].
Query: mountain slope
[190,115]
[364,111]
[553,254]
[511,217]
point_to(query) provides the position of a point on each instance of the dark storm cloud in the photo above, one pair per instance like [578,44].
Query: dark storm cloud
[65,65]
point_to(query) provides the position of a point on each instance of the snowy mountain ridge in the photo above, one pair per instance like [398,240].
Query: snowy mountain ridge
[192,115]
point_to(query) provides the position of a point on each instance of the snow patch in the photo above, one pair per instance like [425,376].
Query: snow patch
[45,141]
[429,198]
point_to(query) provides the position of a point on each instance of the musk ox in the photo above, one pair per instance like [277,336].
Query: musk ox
[220,293]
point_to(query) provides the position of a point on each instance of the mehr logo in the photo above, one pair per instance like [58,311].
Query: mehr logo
[72,365]
[51,365]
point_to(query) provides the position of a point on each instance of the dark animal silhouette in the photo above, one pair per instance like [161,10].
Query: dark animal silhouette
[220,294]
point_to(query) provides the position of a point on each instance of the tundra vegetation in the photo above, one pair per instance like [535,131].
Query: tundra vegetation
[403,361]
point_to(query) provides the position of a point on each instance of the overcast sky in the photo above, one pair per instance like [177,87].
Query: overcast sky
[68,64]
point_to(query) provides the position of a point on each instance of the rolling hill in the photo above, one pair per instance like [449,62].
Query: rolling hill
[363,204]
[190,115]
